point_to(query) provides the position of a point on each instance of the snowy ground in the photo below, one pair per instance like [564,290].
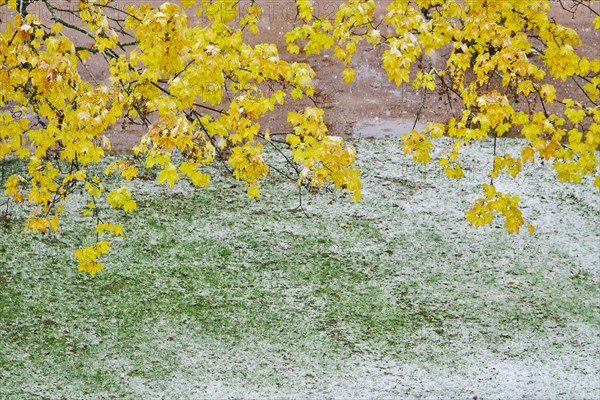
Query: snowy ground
[211,295]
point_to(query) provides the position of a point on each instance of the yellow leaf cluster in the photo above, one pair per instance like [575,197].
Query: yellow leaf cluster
[116,229]
[121,198]
[88,256]
[494,202]
[324,158]
[41,224]
[418,145]
[493,66]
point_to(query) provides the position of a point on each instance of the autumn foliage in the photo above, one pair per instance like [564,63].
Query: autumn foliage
[200,90]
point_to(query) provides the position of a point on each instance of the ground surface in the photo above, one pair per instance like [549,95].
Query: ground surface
[212,295]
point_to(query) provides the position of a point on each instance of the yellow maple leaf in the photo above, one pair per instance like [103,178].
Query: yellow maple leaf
[253,190]
[348,75]
[169,175]
[489,191]
[130,172]
[528,154]
[37,224]
[129,205]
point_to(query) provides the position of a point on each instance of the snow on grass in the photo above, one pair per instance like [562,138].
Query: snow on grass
[212,295]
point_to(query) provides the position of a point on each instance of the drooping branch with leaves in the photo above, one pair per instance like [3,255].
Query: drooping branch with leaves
[187,74]
[501,59]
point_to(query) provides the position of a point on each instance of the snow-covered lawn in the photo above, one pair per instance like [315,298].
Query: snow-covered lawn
[212,295]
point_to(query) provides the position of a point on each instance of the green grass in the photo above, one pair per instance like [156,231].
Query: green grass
[211,286]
